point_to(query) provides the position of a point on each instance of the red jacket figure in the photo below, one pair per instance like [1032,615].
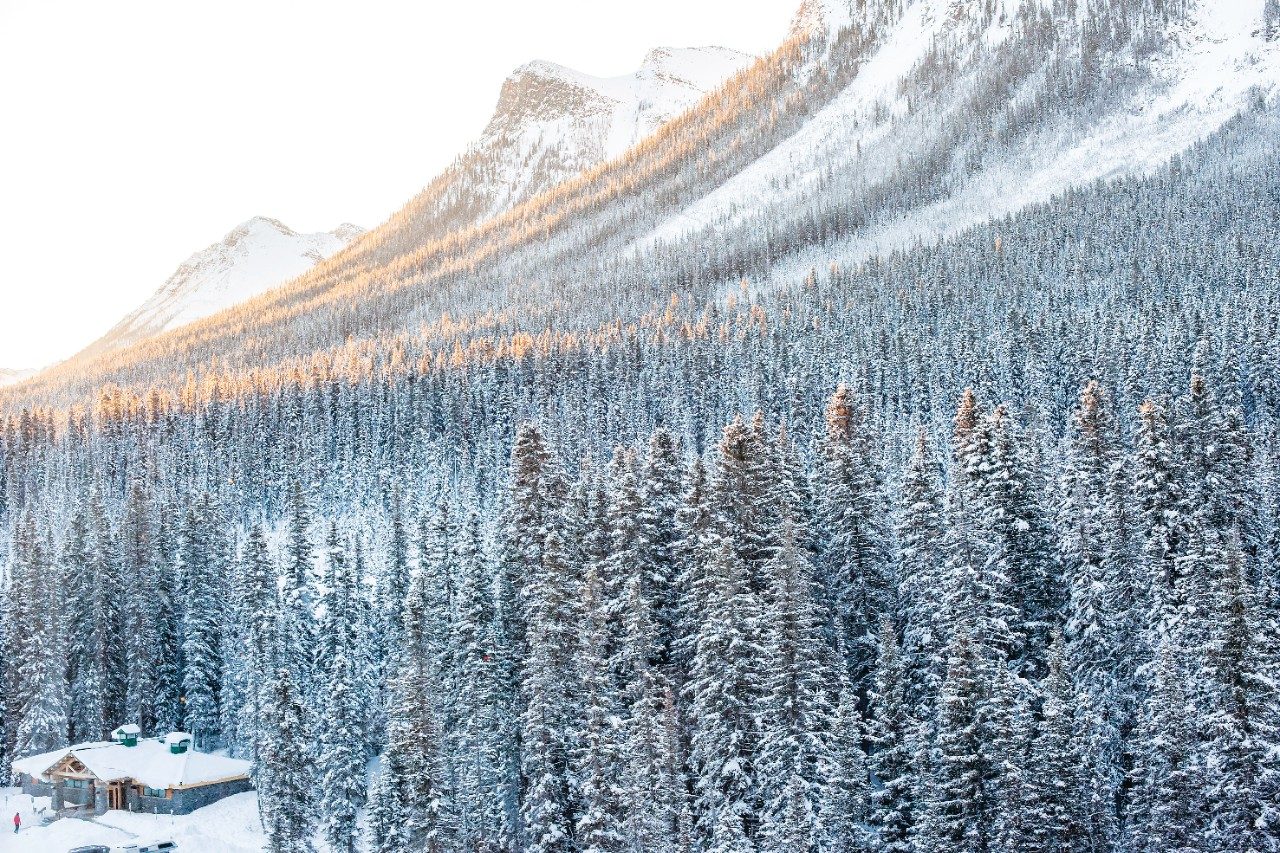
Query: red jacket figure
[17,822]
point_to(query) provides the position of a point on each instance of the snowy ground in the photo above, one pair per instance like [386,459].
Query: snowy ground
[227,826]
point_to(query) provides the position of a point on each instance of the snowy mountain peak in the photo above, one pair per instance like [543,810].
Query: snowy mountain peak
[821,18]
[552,122]
[9,376]
[255,256]
[668,81]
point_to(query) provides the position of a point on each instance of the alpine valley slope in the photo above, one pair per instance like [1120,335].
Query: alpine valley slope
[875,124]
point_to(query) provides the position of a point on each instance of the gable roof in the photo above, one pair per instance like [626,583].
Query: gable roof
[150,763]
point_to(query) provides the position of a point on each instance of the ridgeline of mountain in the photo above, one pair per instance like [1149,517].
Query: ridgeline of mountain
[874,125]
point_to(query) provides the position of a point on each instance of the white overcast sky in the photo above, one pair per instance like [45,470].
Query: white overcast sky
[135,133]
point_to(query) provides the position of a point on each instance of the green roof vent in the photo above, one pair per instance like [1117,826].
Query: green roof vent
[126,735]
[178,742]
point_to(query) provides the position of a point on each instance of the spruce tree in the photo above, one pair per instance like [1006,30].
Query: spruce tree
[42,712]
[920,535]
[598,759]
[546,676]
[795,713]
[889,731]
[846,808]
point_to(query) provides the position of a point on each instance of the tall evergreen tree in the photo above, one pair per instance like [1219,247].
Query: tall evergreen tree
[855,565]
[202,573]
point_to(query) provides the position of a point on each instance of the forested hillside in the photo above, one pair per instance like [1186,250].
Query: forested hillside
[968,547]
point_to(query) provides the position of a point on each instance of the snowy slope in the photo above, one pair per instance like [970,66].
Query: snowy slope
[254,257]
[1217,62]
[1213,64]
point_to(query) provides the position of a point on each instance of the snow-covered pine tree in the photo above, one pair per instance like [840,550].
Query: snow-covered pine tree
[1057,789]
[652,793]
[795,715]
[1240,724]
[958,803]
[1098,609]
[387,826]
[137,555]
[1161,523]
[845,811]
[165,659]
[1021,570]
[528,520]
[729,835]
[202,572]
[1166,813]
[546,677]
[598,760]
[42,712]
[104,664]
[340,756]
[258,606]
[284,773]
[722,695]
[889,732]
[298,592]
[661,489]
[694,522]
[854,564]
[83,677]
[920,535]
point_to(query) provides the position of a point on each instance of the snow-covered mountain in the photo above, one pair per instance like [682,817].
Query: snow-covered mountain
[254,257]
[550,124]
[9,376]
[876,123]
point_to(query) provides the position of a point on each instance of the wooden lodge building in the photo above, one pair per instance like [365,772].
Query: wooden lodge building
[158,775]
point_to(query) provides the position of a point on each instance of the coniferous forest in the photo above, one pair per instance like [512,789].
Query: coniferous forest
[971,547]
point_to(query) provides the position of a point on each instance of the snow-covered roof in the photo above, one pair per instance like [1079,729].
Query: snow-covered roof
[150,763]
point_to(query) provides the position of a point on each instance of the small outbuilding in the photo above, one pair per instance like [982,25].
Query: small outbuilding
[158,775]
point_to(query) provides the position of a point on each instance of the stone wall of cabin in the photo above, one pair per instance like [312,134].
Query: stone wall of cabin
[33,787]
[188,800]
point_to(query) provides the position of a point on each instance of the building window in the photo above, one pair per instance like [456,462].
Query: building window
[154,792]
